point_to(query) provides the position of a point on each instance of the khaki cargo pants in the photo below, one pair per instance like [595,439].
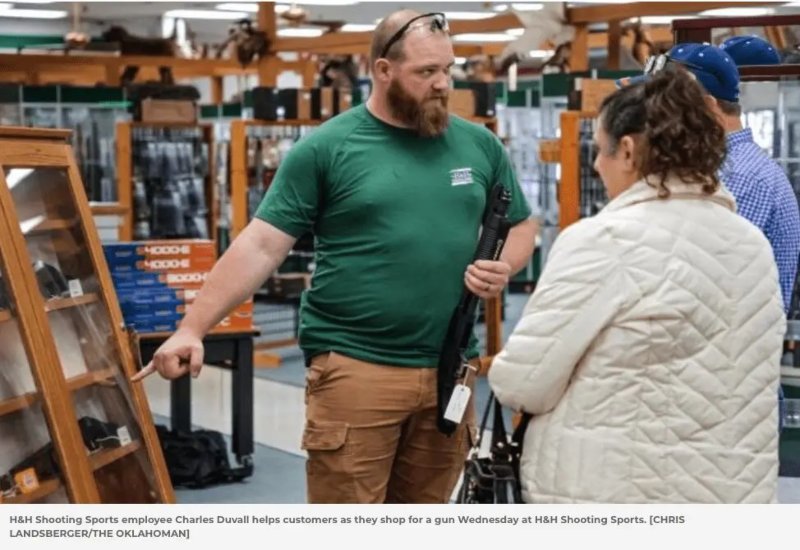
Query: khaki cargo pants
[371,434]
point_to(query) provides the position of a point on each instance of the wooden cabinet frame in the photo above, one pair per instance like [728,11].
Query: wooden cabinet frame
[49,149]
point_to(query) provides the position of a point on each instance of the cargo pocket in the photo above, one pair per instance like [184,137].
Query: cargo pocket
[329,468]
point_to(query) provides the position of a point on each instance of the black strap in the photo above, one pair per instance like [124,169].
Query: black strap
[499,434]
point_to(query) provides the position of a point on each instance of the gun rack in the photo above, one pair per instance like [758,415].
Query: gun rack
[158,161]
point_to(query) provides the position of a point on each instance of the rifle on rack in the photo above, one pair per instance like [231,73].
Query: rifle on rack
[452,362]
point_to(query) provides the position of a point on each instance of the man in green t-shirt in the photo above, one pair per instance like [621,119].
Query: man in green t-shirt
[394,192]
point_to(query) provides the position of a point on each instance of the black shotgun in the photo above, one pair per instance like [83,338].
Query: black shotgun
[452,362]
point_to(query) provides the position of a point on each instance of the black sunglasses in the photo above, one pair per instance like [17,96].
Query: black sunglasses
[657,63]
[438,23]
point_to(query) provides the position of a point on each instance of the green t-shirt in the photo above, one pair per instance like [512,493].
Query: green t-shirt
[396,219]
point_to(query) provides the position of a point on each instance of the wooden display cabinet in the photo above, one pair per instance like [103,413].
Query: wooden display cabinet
[67,408]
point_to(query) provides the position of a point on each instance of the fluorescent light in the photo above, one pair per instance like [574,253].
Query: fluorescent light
[38,2]
[307,32]
[526,7]
[738,12]
[660,19]
[357,27]
[16,175]
[467,15]
[459,60]
[33,14]
[516,32]
[329,3]
[250,7]
[483,37]
[541,53]
[4,6]
[791,5]
[500,7]
[206,14]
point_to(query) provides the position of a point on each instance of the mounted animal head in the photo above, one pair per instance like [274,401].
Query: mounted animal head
[546,25]
[339,72]
[249,42]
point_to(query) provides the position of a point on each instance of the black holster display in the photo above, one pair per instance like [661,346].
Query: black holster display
[169,196]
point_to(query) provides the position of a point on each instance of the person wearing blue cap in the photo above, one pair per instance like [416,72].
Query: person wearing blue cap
[763,193]
[751,50]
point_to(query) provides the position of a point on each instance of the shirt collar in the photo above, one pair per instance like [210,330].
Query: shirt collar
[641,191]
[739,137]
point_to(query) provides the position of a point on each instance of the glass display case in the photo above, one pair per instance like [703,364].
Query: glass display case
[73,419]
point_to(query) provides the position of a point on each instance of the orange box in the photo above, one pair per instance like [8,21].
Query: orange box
[168,110]
[177,248]
[177,264]
[26,480]
[187,280]
[240,319]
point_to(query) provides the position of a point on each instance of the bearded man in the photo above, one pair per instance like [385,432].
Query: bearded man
[394,192]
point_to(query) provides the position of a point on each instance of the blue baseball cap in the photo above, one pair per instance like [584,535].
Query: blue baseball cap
[712,67]
[751,50]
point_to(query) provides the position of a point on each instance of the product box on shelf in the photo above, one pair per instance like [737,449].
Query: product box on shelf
[197,251]
[157,281]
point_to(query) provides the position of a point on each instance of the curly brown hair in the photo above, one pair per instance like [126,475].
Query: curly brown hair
[675,131]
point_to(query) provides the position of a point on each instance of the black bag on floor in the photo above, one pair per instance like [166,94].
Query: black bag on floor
[198,459]
[494,479]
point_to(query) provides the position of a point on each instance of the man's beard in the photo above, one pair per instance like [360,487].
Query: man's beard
[428,118]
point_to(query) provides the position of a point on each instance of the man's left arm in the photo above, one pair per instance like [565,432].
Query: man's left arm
[487,279]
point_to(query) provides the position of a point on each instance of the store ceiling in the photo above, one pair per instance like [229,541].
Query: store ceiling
[145,17]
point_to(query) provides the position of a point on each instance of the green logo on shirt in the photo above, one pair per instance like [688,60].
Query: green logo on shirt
[461,176]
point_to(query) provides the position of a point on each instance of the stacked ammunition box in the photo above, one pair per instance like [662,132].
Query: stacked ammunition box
[157,282]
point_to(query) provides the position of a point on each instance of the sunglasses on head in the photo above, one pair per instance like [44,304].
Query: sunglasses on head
[438,23]
[657,63]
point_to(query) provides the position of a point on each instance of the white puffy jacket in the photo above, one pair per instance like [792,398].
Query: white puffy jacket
[649,356]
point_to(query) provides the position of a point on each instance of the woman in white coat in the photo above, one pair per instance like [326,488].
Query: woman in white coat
[649,353]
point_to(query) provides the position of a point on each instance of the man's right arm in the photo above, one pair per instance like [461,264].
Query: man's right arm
[253,256]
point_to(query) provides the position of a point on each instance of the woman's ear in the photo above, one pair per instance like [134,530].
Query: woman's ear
[627,150]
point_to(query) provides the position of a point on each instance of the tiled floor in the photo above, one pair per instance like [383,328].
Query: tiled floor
[279,416]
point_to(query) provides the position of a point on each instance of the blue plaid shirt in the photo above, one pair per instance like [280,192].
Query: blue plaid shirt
[765,197]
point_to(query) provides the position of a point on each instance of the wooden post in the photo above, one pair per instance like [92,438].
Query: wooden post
[614,36]
[269,65]
[579,56]
[569,188]
[125,179]
[494,326]
[310,72]
[238,176]
[217,90]
[112,74]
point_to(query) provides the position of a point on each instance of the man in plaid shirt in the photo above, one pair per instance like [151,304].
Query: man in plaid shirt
[763,193]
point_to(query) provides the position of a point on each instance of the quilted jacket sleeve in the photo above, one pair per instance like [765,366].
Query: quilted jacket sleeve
[582,288]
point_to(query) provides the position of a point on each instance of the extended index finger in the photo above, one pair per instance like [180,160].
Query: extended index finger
[144,373]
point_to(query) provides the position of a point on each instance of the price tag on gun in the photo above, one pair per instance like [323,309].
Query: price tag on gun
[452,398]
[460,398]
